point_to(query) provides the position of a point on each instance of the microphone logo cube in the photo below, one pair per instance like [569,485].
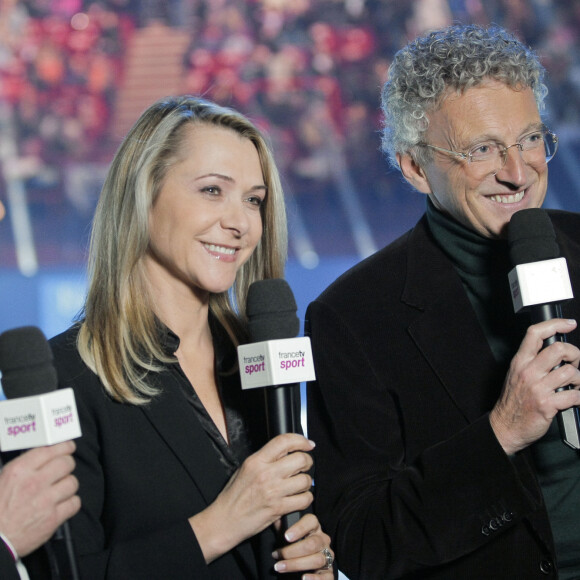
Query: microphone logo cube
[46,419]
[540,283]
[276,362]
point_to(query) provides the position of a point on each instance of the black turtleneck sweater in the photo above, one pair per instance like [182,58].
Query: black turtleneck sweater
[483,265]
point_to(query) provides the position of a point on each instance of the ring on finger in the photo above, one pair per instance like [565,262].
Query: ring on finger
[329,558]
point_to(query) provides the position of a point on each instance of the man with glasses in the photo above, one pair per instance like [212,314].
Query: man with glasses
[437,455]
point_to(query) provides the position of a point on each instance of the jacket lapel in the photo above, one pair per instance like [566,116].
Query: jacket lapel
[172,417]
[446,329]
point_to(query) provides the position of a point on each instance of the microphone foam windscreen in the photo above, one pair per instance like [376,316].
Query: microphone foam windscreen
[26,363]
[271,310]
[531,237]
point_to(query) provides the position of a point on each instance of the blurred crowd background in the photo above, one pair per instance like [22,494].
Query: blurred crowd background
[75,74]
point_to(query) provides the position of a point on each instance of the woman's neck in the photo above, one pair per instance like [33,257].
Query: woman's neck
[182,308]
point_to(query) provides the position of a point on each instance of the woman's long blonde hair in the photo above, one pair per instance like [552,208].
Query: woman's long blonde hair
[119,336]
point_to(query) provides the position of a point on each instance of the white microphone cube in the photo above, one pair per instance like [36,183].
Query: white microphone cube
[276,362]
[39,420]
[540,282]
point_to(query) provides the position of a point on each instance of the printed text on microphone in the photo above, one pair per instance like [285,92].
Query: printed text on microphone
[256,364]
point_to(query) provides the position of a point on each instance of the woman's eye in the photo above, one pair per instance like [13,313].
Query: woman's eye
[255,200]
[211,190]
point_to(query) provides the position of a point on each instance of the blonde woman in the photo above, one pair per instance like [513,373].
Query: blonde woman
[177,479]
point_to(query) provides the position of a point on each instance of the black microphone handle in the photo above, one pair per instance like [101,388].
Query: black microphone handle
[283,416]
[61,555]
[569,419]
[543,312]
[281,409]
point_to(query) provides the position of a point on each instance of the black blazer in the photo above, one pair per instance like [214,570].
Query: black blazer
[7,566]
[143,470]
[410,479]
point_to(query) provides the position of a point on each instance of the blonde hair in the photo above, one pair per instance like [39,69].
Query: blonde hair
[119,336]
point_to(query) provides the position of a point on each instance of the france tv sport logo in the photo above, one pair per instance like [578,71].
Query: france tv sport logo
[38,420]
[276,362]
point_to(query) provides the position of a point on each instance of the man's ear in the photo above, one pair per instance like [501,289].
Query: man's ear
[413,173]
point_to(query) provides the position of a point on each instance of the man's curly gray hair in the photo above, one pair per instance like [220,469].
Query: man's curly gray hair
[451,59]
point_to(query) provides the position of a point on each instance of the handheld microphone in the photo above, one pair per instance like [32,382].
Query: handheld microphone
[37,414]
[276,358]
[539,283]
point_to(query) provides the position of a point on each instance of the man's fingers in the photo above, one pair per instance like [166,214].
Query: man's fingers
[40,456]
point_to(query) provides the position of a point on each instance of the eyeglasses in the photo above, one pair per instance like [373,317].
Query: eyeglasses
[489,157]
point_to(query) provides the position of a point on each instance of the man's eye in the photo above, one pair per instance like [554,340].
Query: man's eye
[532,139]
[483,150]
